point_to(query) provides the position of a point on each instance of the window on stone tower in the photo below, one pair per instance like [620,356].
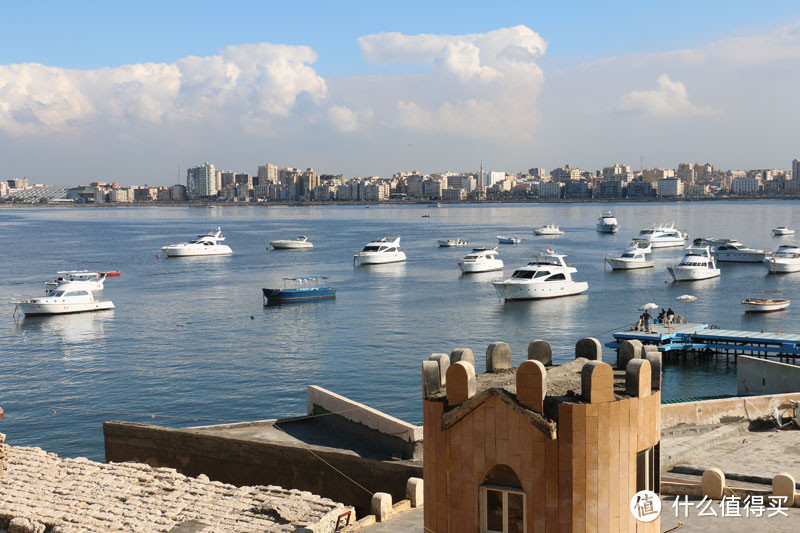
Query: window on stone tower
[648,469]
[502,502]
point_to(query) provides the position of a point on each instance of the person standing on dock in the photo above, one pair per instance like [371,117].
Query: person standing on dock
[647,318]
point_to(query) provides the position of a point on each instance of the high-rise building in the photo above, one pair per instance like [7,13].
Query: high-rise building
[267,173]
[796,169]
[201,182]
[565,174]
[227,178]
[686,173]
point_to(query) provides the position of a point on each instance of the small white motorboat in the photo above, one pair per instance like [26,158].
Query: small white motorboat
[206,244]
[696,264]
[502,239]
[636,255]
[61,302]
[481,260]
[380,251]
[451,243]
[765,305]
[547,276]
[782,230]
[79,279]
[785,259]
[549,229]
[607,223]
[298,243]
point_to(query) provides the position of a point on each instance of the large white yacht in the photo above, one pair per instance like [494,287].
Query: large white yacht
[607,223]
[481,260]
[548,229]
[547,276]
[696,264]
[206,244]
[662,236]
[380,251]
[785,259]
[78,279]
[298,243]
[636,255]
[732,251]
[60,302]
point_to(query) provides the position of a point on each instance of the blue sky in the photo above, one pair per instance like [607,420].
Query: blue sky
[114,90]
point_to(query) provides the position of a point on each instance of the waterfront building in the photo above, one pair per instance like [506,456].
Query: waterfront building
[145,194]
[611,188]
[697,191]
[414,185]
[565,174]
[267,173]
[618,172]
[539,174]
[513,450]
[89,195]
[177,193]
[652,175]
[686,173]
[201,182]
[550,189]
[18,184]
[796,169]
[492,178]
[640,189]
[468,182]
[121,195]
[745,186]
[670,188]
[227,179]
[3,189]
[325,192]
[577,190]
[454,195]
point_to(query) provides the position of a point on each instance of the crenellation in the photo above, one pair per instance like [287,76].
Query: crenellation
[498,357]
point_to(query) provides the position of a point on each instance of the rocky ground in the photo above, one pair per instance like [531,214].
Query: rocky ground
[42,491]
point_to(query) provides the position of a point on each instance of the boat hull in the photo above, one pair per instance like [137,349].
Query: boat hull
[776,266]
[196,251]
[740,257]
[543,233]
[63,308]
[380,258]
[667,243]
[451,244]
[693,274]
[475,268]
[290,245]
[608,228]
[765,307]
[783,232]
[277,296]
[618,263]
[512,292]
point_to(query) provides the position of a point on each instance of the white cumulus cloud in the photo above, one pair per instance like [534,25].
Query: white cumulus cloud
[668,99]
[346,120]
[479,85]
[254,81]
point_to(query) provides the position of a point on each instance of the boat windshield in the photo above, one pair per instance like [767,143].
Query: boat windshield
[629,254]
[57,294]
[647,232]
[557,277]
[371,249]
[523,274]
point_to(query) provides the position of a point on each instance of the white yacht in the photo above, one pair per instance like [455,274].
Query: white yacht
[783,230]
[481,260]
[380,251]
[607,223]
[636,255]
[732,251]
[298,243]
[547,276]
[549,229]
[697,264]
[662,236]
[785,259]
[206,244]
[60,302]
[451,243]
[78,279]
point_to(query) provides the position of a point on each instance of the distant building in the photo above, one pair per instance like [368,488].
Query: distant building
[177,193]
[468,182]
[3,189]
[745,186]
[697,191]
[640,189]
[122,195]
[652,175]
[201,182]
[267,173]
[18,184]
[454,195]
[686,173]
[432,188]
[577,190]
[145,194]
[550,189]
[565,174]
[608,189]
[539,174]
[670,188]
[796,170]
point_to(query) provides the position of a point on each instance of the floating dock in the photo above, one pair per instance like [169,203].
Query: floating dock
[701,337]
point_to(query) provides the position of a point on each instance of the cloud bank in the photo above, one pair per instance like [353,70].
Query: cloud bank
[670,99]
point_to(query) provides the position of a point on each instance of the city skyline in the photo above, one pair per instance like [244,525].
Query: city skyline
[523,86]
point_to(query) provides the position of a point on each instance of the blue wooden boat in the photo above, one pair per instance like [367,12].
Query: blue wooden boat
[299,289]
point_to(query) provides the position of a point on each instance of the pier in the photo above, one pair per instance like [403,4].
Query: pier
[696,337]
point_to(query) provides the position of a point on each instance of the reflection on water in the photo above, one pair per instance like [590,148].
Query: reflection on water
[72,328]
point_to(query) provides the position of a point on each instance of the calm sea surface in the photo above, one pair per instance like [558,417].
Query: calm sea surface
[190,343]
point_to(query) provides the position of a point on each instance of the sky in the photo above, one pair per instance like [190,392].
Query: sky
[136,92]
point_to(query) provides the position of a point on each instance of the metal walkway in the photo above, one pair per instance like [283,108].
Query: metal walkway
[685,337]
